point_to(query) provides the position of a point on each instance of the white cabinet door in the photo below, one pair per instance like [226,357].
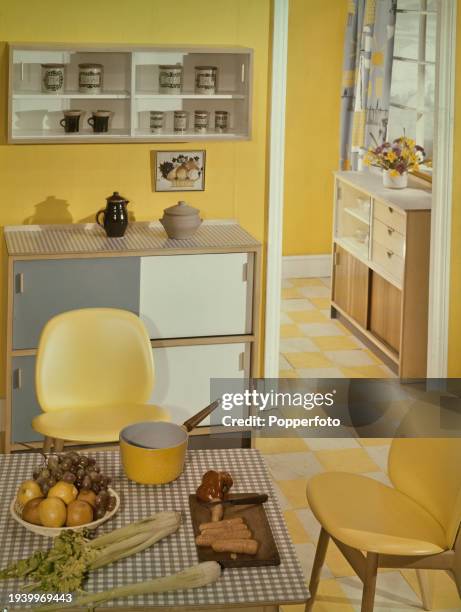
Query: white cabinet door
[183,296]
[183,374]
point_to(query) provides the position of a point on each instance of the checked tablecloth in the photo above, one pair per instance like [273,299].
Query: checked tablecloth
[282,584]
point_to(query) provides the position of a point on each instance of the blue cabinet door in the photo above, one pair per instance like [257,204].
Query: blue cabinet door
[24,404]
[46,287]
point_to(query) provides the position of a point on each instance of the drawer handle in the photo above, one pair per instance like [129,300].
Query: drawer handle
[390,231]
[20,282]
[18,378]
[389,254]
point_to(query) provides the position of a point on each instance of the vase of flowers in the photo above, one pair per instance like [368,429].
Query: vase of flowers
[396,159]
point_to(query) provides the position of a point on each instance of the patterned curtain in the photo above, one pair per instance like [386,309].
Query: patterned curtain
[367,71]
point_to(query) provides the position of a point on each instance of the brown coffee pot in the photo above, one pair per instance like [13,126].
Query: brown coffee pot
[115,216]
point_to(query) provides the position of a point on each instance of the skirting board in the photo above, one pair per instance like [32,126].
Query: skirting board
[306,266]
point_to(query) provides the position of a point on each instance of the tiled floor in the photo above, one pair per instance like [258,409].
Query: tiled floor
[315,346]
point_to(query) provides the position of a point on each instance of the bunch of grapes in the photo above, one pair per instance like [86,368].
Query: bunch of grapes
[81,471]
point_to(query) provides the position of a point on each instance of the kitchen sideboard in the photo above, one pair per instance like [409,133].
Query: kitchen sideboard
[199,299]
[381,246]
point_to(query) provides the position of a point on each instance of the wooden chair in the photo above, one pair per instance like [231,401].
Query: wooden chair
[414,524]
[94,376]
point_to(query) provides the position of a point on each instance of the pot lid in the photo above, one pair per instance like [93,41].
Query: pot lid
[181,209]
[116,197]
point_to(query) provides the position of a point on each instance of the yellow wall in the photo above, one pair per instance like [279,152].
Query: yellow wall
[64,183]
[315,55]
[454,346]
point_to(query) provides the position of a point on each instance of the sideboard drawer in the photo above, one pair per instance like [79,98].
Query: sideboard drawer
[389,237]
[46,287]
[389,261]
[24,404]
[183,375]
[184,296]
[389,216]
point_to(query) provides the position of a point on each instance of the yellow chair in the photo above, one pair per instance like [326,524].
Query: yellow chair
[414,524]
[94,375]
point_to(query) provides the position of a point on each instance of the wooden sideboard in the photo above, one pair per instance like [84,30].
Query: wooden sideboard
[381,246]
[199,299]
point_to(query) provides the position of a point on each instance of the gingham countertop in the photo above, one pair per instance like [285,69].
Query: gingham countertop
[281,584]
[90,238]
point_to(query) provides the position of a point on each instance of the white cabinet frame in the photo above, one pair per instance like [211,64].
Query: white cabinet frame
[132,78]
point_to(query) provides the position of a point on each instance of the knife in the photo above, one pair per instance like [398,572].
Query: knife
[239,501]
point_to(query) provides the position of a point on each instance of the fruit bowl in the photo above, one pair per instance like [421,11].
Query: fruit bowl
[52,532]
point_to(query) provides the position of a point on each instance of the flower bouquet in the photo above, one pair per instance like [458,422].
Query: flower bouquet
[396,159]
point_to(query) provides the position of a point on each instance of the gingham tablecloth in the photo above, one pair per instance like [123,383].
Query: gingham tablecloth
[281,584]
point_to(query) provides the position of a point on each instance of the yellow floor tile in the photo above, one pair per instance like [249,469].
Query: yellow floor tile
[321,302]
[306,282]
[297,532]
[336,562]
[444,589]
[374,441]
[370,371]
[311,359]
[280,445]
[308,316]
[331,598]
[294,491]
[288,374]
[290,331]
[291,293]
[335,343]
[354,460]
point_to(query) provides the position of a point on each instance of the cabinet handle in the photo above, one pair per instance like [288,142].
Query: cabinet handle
[390,231]
[242,76]
[391,210]
[20,282]
[389,254]
[336,258]
[17,378]
[245,273]
[242,361]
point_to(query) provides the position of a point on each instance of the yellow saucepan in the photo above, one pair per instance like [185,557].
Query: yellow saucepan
[154,452]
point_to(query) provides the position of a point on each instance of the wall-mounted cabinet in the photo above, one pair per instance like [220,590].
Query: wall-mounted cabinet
[129,92]
[381,247]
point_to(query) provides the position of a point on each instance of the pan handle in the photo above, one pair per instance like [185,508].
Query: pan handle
[191,423]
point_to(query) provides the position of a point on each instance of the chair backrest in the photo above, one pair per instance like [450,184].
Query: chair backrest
[429,471]
[91,357]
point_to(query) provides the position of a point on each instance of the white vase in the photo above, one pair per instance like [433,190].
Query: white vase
[399,181]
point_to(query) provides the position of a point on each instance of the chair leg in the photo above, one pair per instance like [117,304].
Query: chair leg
[369,584]
[58,445]
[47,444]
[319,560]
[425,586]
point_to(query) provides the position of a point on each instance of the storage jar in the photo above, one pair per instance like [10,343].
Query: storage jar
[90,78]
[170,79]
[156,122]
[53,78]
[201,121]
[221,121]
[180,122]
[205,80]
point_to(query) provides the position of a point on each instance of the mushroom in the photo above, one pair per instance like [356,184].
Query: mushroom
[214,487]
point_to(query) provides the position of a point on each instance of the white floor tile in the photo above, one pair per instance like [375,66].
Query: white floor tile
[284,503]
[285,319]
[393,593]
[321,329]
[286,283]
[284,364]
[296,305]
[326,280]
[309,522]
[297,345]
[306,553]
[380,477]
[379,454]
[290,466]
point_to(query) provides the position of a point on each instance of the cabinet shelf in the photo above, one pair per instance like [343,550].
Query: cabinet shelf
[355,212]
[107,95]
[189,135]
[62,135]
[190,96]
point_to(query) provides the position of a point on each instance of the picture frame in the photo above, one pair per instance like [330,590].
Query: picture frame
[179,170]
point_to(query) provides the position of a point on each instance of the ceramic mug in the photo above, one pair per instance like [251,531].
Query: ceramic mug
[71,120]
[99,121]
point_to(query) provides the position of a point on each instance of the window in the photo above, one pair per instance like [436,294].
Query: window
[413,72]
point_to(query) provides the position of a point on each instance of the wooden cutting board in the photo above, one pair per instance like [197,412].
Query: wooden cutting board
[256,519]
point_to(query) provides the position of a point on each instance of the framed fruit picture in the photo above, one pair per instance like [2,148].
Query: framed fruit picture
[179,171]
